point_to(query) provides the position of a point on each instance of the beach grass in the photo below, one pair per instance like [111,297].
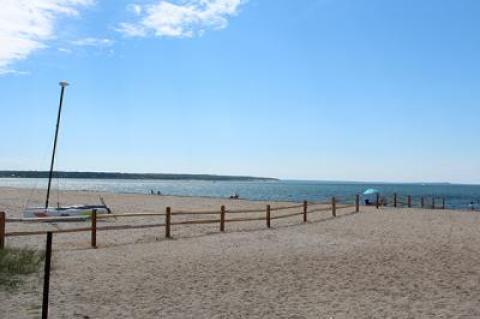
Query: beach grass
[16,263]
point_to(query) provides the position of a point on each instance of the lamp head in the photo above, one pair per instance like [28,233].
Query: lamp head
[63,84]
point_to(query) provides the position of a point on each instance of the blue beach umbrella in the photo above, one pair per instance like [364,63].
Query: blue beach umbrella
[371,191]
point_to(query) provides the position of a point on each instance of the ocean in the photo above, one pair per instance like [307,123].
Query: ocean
[456,196]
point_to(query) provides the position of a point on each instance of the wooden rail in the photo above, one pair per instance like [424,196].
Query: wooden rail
[244,211]
[80,218]
[326,209]
[286,216]
[286,207]
[246,219]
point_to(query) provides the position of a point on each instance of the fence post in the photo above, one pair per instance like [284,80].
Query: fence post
[433,202]
[222,218]
[334,207]
[422,202]
[395,200]
[94,229]
[268,216]
[168,213]
[357,203]
[443,203]
[378,200]
[2,230]
[409,201]
[305,208]
[46,277]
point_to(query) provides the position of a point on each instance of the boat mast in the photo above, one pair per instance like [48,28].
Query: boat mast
[63,84]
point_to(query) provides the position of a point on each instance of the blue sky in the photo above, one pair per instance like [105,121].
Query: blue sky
[336,89]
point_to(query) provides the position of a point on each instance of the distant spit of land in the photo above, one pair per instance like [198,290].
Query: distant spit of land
[115,175]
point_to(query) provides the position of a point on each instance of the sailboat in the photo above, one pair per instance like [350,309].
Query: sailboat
[77,210]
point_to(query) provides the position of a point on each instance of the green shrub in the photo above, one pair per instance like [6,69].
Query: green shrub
[16,263]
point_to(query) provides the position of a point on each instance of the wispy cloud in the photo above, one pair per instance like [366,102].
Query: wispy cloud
[65,50]
[93,42]
[135,8]
[187,18]
[26,25]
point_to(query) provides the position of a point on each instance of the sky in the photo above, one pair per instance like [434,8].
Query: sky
[355,90]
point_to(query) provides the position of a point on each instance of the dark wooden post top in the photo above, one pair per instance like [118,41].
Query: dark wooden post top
[334,207]
[268,216]
[305,209]
[357,203]
[222,218]
[167,221]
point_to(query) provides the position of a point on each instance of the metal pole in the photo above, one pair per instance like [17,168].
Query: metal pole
[46,280]
[93,236]
[63,84]
[2,230]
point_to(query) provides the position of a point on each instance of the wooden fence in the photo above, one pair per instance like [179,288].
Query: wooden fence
[409,201]
[219,216]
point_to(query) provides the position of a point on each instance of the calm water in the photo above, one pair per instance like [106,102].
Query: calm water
[457,196]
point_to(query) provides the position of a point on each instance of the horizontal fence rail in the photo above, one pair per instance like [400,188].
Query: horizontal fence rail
[221,216]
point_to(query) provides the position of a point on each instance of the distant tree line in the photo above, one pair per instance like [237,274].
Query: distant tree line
[113,175]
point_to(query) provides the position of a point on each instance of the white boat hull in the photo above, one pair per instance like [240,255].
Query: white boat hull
[82,211]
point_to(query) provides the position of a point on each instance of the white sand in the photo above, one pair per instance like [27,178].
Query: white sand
[396,263]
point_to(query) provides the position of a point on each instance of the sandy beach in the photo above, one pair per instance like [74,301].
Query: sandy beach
[387,263]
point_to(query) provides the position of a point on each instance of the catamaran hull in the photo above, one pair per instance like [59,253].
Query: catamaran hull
[82,211]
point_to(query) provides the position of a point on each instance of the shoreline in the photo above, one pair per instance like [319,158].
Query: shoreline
[153,195]
[227,199]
